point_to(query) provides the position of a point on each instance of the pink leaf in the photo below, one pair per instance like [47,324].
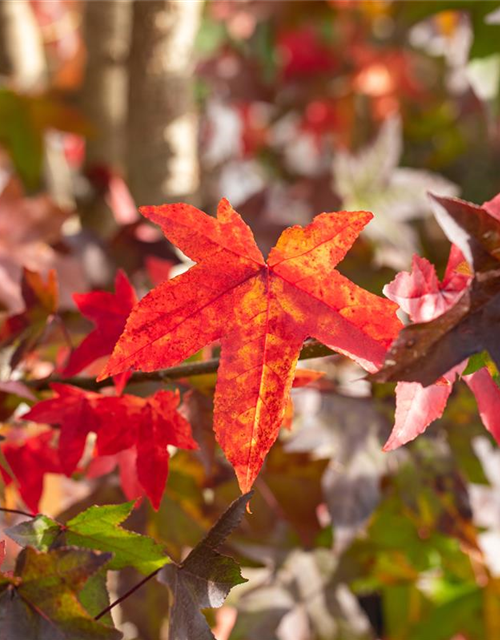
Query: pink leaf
[487,395]
[421,295]
[416,408]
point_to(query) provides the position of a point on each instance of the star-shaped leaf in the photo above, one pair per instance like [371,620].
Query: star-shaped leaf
[152,424]
[261,312]
[74,410]
[121,422]
[204,578]
[29,461]
[126,462]
[96,528]
[40,602]
[109,312]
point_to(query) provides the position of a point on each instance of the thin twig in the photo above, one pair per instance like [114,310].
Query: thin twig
[127,594]
[20,513]
[311,349]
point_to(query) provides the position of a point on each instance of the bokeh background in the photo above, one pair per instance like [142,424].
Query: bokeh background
[288,109]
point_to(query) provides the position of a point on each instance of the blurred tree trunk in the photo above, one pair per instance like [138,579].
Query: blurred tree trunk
[107,26]
[162,154]
[22,58]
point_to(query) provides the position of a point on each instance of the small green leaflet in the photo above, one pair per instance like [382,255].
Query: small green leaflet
[96,528]
[480,360]
[476,362]
[41,532]
[204,578]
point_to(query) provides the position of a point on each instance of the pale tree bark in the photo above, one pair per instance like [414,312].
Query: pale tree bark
[22,58]
[162,153]
[107,28]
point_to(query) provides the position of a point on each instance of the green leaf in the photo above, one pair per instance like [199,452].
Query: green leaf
[95,597]
[476,362]
[22,141]
[24,119]
[40,533]
[41,601]
[204,578]
[463,614]
[96,528]
[480,360]
[486,33]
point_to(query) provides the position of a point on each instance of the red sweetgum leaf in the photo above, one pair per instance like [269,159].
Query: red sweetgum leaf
[151,425]
[29,462]
[126,461]
[121,422]
[261,312]
[109,312]
[75,411]
[303,377]
[158,269]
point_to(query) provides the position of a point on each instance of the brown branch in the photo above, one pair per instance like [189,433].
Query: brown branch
[311,349]
[127,594]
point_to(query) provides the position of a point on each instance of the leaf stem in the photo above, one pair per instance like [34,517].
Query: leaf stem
[311,349]
[126,595]
[20,513]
